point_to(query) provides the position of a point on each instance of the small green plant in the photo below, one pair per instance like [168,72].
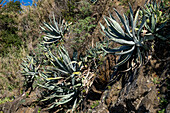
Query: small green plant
[125,2]
[163,101]
[85,9]
[95,104]
[133,45]
[93,1]
[6,99]
[161,111]
[95,55]
[68,12]
[30,71]
[157,8]
[81,30]
[39,110]
[156,80]
[157,18]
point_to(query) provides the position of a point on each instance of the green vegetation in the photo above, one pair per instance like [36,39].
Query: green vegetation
[161,111]
[157,17]
[133,45]
[7,99]
[95,55]
[125,2]
[35,48]
[76,9]
[8,22]
[10,77]
[93,1]
[83,26]
[55,31]
[12,49]
[57,73]
[61,76]
[62,79]
[39,110]
[69,13]
[95,104]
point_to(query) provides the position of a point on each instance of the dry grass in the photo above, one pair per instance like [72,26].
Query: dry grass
[10,77]
[29,20]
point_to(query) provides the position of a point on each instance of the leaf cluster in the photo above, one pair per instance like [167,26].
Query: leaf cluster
[54,31]
[133,38]
[132,44]
[157,17]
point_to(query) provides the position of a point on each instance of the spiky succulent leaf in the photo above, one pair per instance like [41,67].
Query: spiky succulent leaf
[124,59]
[54,31]
[62,78]
[29,69]
[114,50]
[130,40]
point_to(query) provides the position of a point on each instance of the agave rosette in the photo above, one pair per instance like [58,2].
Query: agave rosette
[54,31]
[132,44]
[62,79]
[30,69]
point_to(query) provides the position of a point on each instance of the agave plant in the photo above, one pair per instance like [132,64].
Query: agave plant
[62,79]
[132,44]
[30,70]
[154,28]
[54,31]
[59,74]
[157,8]
[156,18]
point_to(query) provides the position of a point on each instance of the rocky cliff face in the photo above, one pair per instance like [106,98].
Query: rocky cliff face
[144,94]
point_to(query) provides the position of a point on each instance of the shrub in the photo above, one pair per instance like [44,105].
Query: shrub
[8,23]
[62,79]
[82,30]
